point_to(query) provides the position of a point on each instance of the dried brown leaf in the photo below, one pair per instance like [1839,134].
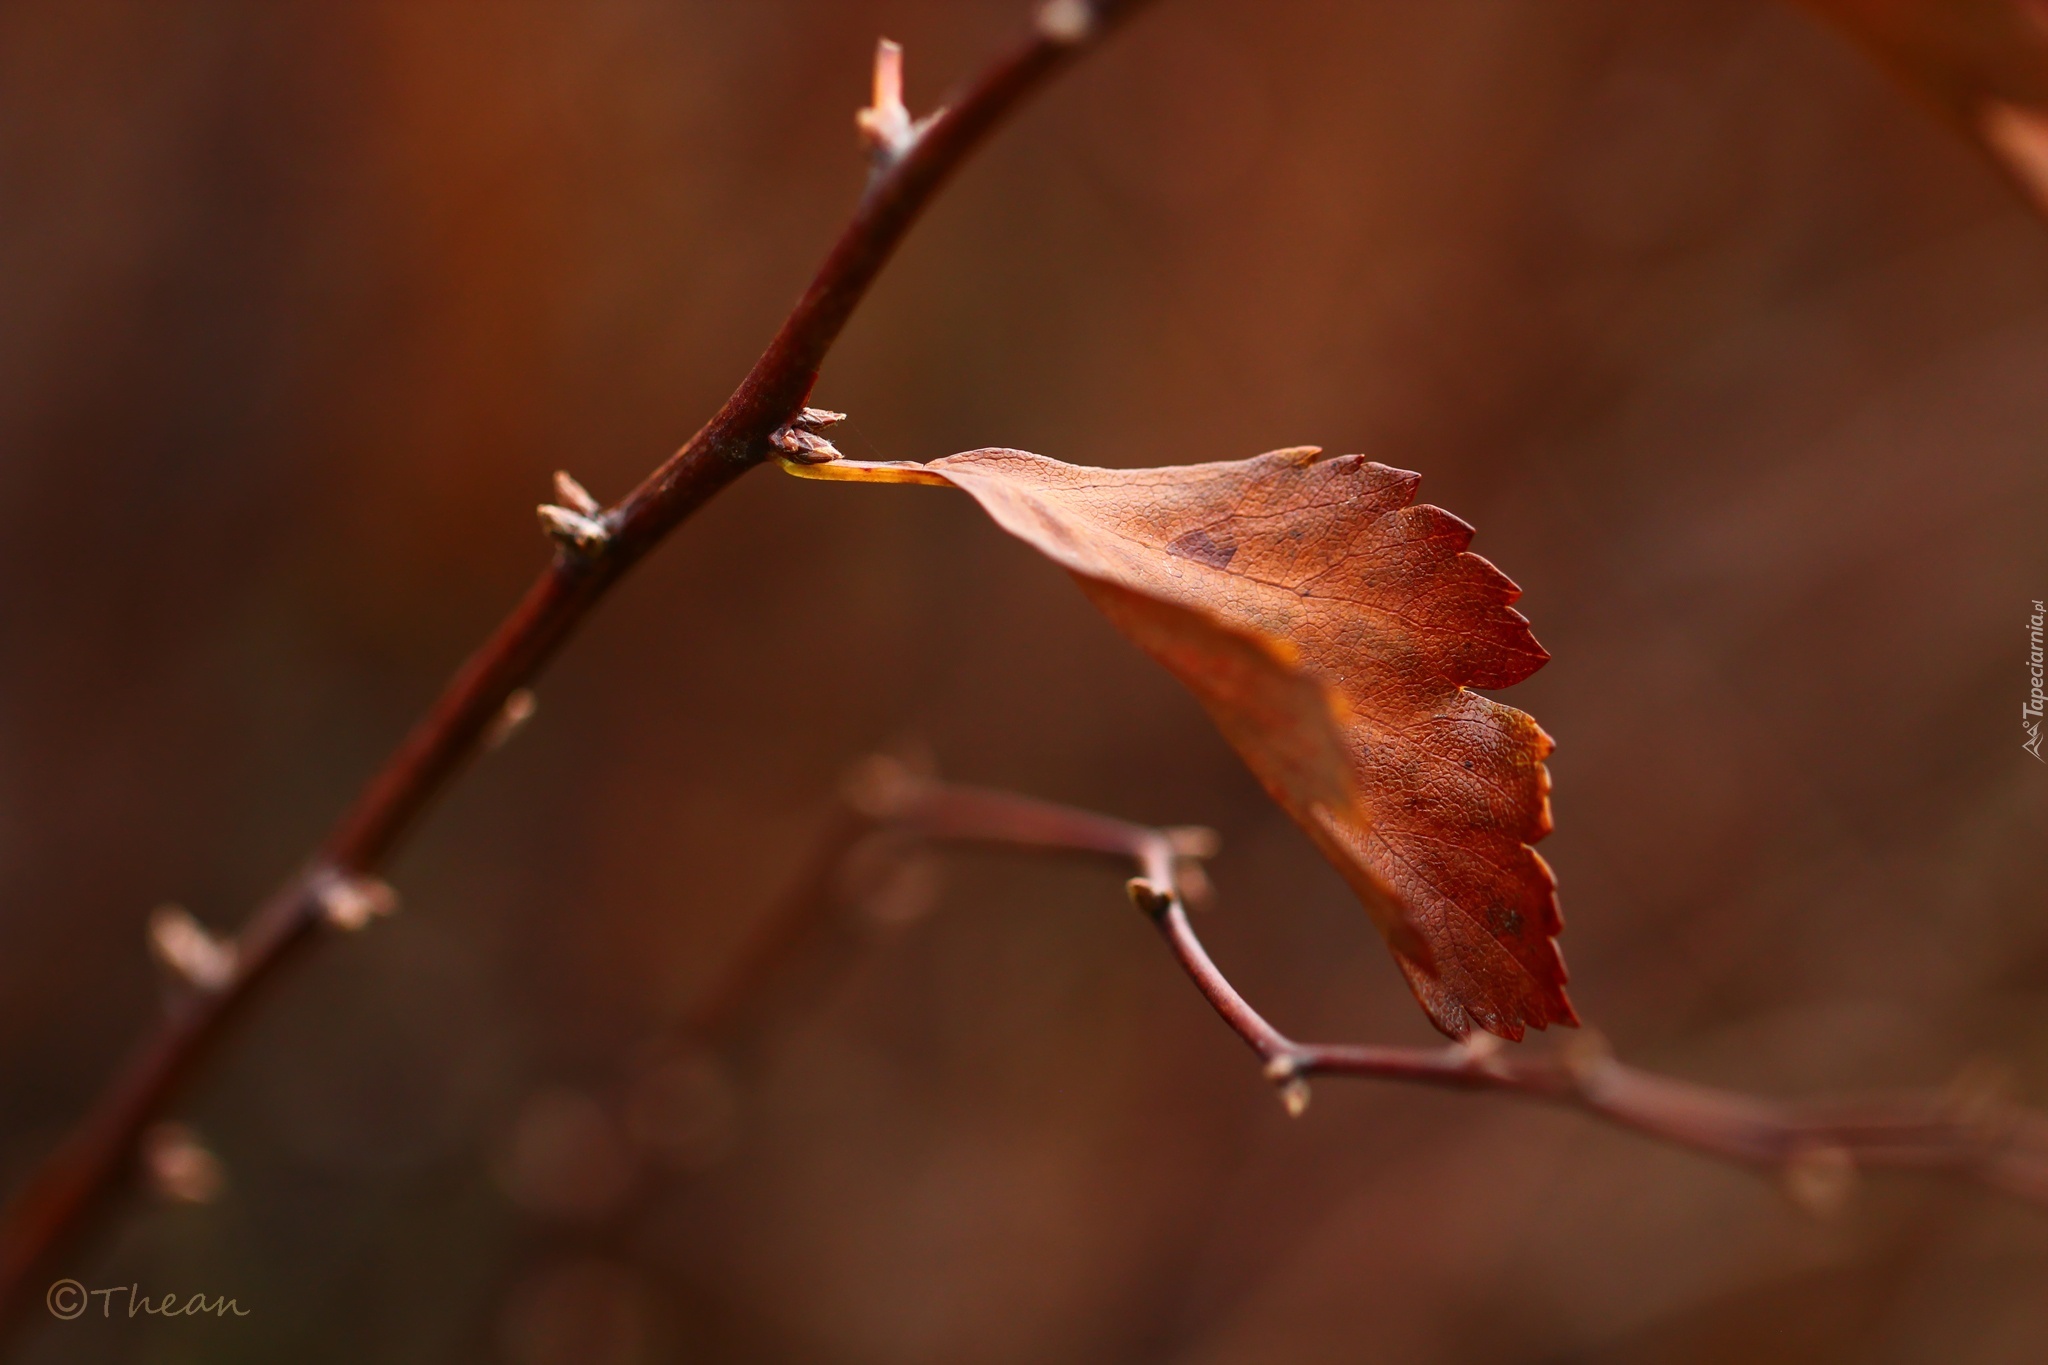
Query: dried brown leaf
[1333,628]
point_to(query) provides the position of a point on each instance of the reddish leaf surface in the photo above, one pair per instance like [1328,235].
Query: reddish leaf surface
[1333,628]
[1984,63]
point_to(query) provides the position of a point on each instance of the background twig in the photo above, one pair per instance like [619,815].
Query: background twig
[1816,1146]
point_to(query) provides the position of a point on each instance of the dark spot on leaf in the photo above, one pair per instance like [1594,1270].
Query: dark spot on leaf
[1505,921]
[1197,546]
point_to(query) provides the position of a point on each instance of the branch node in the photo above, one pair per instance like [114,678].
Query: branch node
[351,902]
[1067,21]
[511,718]
[1153,900]
[189,952]
[804,447]
[574,495]
[574,531]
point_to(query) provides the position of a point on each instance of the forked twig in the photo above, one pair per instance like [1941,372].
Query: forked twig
[486,698]
[819,929]
[1815,1146]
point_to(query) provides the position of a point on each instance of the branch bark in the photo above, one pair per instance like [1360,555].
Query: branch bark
[595,547]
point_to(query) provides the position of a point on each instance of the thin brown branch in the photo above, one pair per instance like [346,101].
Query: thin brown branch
[1815,1146]
[595,548]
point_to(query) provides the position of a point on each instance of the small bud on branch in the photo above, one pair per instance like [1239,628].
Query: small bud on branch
[1150,899]
[574,495]
[885,124]
[352,902]
[802,446]
[511,718]
[575,531]
[1285,1073]
[183,945]
[1066,21]
[178,1165]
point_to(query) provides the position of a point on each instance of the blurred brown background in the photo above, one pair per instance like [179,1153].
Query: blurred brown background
[1738,362]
